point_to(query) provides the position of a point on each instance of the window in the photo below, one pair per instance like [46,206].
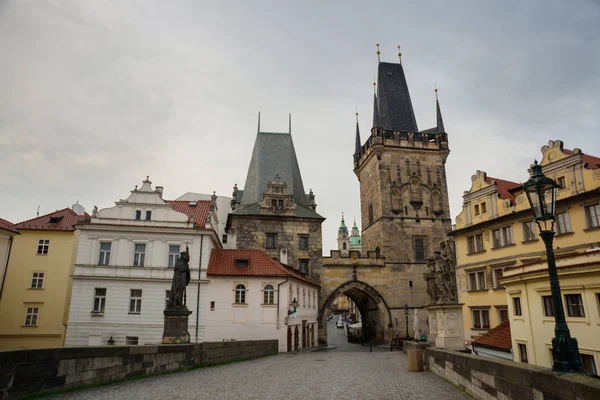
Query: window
[483,207]
[523,353]
[31,316]
[303,266]
[477,280]
[502,237]
[517,305]
[224,238]
[212,306]
[139,256]
[304,297]
[589,365]
[592,215]
[174,251]
[138,214]
[43,246]
[548,306]
[37,280]
[242,262]
[135,301]
[574,305]
[280,203]
[481,319]
[104,253]
[271,240]
[303,245]
[475,243]
[563,225]
[420,243]
[370,213]
[498,273]
[502,314]
[240,294]
[529,231]
[268,294]
[476,208]
[344,245]
[148,215]
[273,203]
[167,297]
[131,340]
[562,184]
[99,300]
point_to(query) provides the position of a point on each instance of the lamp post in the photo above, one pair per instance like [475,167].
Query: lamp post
[294,306]
[541,194]
[406,316]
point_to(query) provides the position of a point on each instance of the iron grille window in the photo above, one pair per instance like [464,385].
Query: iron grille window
[43,246]
[131,340]
[271,240]
[99,300]
[104,258]
[37,280]
[574,305]
[548,306]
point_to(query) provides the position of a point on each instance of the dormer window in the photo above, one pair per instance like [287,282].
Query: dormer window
[138,214]
[55,220]
[148,215]
[242,262]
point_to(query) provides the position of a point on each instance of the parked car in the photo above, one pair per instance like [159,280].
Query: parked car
[340,323]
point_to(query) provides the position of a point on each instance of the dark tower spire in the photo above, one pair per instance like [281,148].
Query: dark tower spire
[376,123]
[440,121]
[358,143]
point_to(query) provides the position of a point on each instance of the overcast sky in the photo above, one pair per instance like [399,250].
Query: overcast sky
[95,95]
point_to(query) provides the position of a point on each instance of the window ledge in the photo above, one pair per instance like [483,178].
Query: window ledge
[37,254]
[476,252]
[134,313]
[530,241]
[477,290]
[97,313]
[480,329]
[563,234]
[269,305]
[503,247]
[239,304]
[499,288]
[518,318]
[35,288]
[29,326]
[592,229]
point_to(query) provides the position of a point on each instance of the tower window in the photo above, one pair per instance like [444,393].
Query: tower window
[271,240]
[420,244]
[370,213]
[344,245]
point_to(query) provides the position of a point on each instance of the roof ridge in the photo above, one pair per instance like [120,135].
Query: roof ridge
[46,215]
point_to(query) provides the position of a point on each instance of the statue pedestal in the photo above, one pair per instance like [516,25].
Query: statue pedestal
[432,331]
[176,326]
[448,320]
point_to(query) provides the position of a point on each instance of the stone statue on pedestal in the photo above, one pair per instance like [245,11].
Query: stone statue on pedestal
[176,312]
[441,276]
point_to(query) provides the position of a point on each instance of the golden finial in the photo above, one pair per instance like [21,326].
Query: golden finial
[378,53]
[435,90]
[399,54]
[357,115]
[374,86]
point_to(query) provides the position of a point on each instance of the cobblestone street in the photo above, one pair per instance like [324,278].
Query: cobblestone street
[347,372]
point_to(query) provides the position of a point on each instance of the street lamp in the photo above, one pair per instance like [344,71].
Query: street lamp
[294,306]
[406,316]
[541,194]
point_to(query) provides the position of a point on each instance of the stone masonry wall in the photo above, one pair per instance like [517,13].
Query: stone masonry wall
[26,372]
[489,378]
[251,233]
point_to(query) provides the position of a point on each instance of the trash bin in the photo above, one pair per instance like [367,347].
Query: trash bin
[415,360]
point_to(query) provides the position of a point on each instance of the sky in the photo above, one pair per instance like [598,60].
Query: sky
[95,95]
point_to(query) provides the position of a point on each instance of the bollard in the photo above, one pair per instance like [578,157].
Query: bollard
[415,360]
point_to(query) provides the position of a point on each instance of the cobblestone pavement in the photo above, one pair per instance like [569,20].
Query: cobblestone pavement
[327,374]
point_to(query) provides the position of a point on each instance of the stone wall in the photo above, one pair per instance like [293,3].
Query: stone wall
[25,372]
[488,378]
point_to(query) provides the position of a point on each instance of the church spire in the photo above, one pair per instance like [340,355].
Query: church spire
[376,123]
[440,121]
[357,144]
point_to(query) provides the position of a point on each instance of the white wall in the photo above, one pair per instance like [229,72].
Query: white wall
[255,320]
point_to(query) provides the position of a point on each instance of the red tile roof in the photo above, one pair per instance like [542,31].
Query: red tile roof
[223,263]
[7,226]
[199,212]
[66,219]
[498,338]
[503,187]
[590,161]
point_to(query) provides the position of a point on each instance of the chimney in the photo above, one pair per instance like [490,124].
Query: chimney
[160,189]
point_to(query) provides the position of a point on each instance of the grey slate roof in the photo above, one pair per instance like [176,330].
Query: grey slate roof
[393,106]
[440,121]
[357,143]
[273,154]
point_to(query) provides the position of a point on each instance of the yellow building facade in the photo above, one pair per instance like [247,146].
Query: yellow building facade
[36,295]
[495,232]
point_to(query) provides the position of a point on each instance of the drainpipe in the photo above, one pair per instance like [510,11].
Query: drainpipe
[198,291]
[10,240]
[278,292]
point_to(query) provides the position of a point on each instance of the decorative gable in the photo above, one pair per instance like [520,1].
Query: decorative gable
[276,199]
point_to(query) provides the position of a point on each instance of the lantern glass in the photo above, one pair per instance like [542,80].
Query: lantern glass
[541,194]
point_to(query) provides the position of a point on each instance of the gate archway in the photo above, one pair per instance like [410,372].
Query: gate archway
[374,309]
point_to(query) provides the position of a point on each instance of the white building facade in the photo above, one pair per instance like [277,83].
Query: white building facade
[252,297]
[123,269]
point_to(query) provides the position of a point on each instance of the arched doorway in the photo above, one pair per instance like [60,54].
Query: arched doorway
[376,316]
